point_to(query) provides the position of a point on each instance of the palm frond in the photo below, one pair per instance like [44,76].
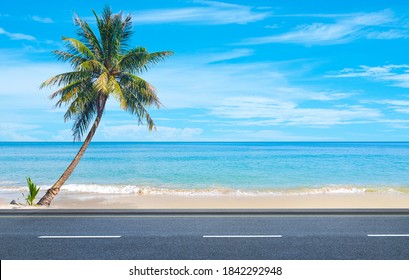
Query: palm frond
[157,57]
[136,107]
[115,41]
[116,90]
[67,93]
[67,78]
[82,110]
[75,104]
[145,92]
[139,60]
[101,83]
[104,24]
[138,94]
[78,48]
[91,66]
[85,32]
[75,60]
[126,33]
[83,120]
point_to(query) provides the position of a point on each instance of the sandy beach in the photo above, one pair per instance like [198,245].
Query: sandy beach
[70,200]
[237,175]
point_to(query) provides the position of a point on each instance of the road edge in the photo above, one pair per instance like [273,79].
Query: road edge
[198,212]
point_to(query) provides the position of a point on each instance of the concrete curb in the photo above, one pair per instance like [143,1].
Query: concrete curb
[204,212]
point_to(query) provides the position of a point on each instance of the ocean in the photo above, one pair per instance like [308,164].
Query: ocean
[211,168]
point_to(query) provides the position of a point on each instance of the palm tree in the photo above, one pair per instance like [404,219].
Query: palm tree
[103,67]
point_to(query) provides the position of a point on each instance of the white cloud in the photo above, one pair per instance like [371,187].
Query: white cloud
[252,94]
[294,93]
[133,132]
[272,26]
[209,12]
[266,111]
[396,123]
[263,135]
[399,106]
[316,33]
[331,95]
[397,75]
[209,83]
[395,102]
[20,82]
[236,53]
[319,15]
[62,135]
[345,29]
[17,132]
[194,84]
[402,110]
[388,35]
[17,36]
[42,19]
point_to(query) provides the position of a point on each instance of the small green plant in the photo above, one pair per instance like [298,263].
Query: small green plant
[32,191]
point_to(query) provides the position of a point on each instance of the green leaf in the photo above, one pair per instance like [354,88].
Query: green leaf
[32,191]
[103,65]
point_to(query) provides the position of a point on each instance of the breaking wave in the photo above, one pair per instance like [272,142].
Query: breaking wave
[215,191]
[147,190]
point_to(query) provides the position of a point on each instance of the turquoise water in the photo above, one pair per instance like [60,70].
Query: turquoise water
[211,167]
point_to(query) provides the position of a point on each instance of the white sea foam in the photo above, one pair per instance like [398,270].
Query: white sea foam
[103,189]
[12,188]
[214,190]
[220,191]
[141,190]
[8,183]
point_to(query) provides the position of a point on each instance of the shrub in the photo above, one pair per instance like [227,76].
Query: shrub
[32,191]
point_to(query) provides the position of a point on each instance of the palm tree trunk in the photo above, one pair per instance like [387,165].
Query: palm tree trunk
[55,189]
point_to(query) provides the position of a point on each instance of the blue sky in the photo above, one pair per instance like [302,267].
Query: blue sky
[242,70]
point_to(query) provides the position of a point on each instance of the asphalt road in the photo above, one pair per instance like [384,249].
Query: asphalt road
[192,235]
